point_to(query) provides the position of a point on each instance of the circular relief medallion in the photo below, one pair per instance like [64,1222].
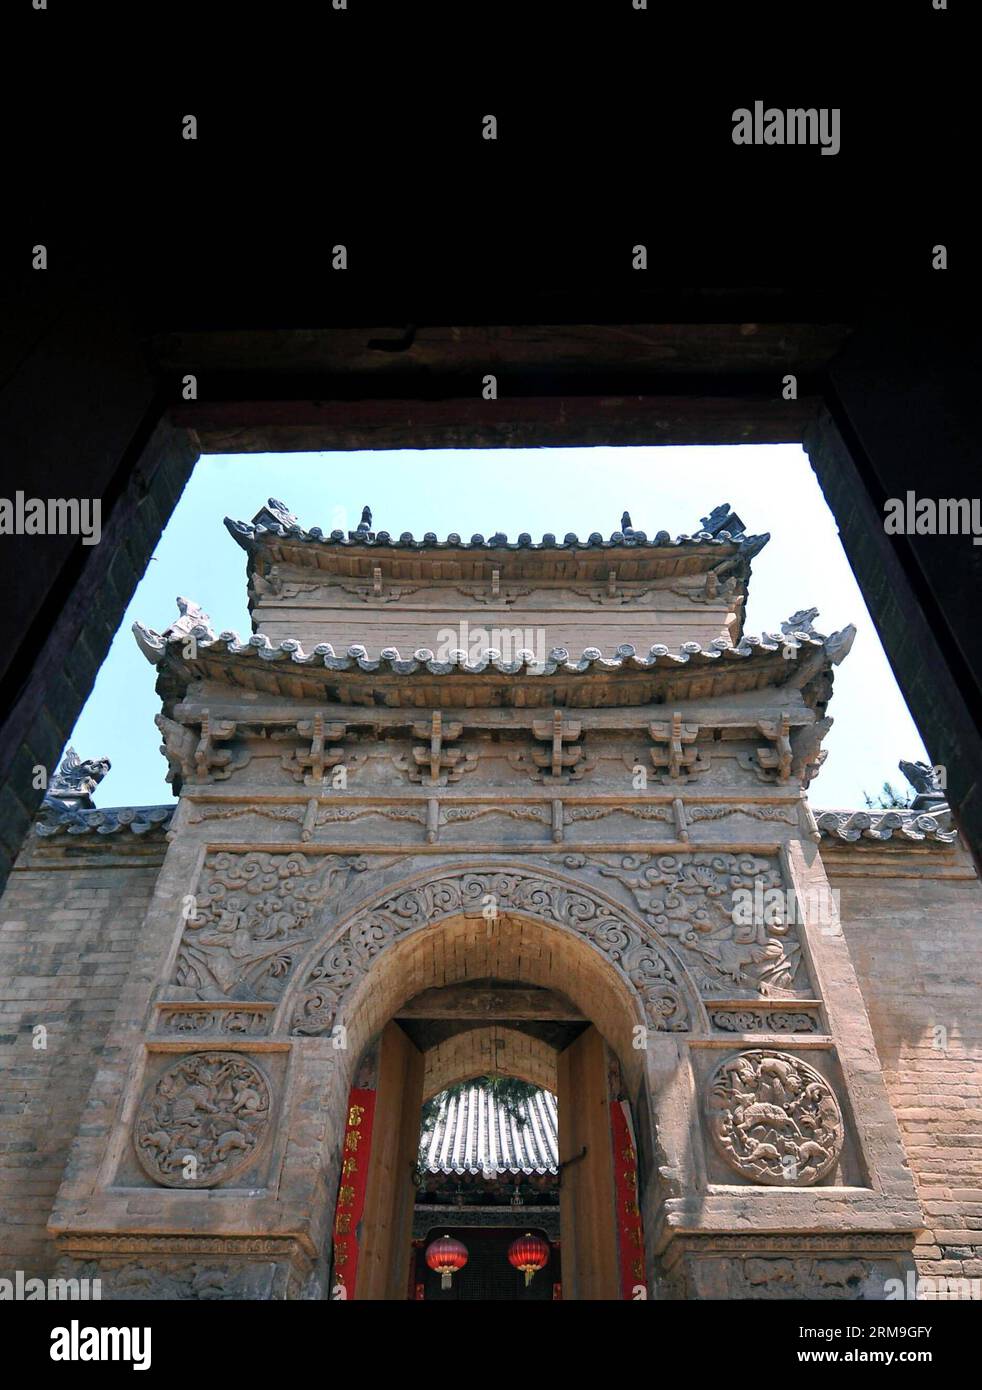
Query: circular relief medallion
[203,1120]
[774,1119]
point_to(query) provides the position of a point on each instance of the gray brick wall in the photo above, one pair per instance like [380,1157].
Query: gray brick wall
[67,933]
[914,929]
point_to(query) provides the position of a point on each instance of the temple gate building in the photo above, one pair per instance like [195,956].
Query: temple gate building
[486,807]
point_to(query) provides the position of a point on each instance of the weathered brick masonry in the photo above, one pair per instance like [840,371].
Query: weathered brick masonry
[913,922]
[69,919]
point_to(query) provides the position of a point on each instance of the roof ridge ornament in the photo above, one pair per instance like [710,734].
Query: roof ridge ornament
[275,513]
[723,518]
[193,620]
[927,783]
[72,784]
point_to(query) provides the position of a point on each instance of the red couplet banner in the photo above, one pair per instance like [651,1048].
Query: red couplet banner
[630,1236]
[351,1190]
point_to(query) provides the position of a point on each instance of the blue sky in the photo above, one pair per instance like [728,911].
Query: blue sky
[772,487]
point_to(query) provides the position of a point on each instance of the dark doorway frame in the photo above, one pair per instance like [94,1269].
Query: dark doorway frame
[884,403]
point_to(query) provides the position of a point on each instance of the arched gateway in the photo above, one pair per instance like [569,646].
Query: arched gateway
[386,875]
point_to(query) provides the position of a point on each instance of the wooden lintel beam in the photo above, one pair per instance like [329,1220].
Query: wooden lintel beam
[491,1003]
[259,426]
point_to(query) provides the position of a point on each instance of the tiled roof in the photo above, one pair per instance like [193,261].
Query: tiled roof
[850,826]
[474,1134]
[138,819]
[276,521]
[155,645]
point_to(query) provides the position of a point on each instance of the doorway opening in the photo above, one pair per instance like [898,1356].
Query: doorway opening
[495,1104]
[488,1170]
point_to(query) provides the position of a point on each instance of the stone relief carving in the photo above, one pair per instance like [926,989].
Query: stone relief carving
[247,1021]
[367,593]
[783,814]
[203,1121]
[347,960]
[455,814]
[571,814]
[757,1020]
[253,914]
[688,899]
[183,1280]
[792,1277]
[774,1119]
[821,1278]
[324,816]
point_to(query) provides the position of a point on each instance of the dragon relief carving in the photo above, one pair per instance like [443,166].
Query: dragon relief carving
[347,960]
[203,1121]
[774,1119]
[252,916]
[688,899]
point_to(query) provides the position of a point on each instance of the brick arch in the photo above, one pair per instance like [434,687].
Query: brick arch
[494,1048]
[551,930]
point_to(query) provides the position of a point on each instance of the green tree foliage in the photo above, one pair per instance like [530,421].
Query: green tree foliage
[889,799]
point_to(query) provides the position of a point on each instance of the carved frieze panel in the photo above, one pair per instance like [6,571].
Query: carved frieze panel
[456,815]
[707,1269]
[781,815]
[203,1120]
[774,1119]
[689,899]
[190,1268]
[346,961]
[253,914]
[248,1022]
[300,815]
[748,1018]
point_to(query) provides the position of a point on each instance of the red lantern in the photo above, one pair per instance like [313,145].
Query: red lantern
[528,1253]
[445,1256]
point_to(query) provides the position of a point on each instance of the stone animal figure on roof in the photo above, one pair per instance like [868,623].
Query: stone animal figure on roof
[76,780]
[922,778]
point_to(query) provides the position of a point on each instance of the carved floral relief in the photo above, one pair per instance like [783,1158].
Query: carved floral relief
[347,960]
[774,1119]
[252,916]
[689,900]
[203,1121]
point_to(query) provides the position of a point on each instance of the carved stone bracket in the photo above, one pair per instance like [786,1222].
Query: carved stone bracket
[209,760]
[558,763]
[774,763]
[193,759]
[676,750]
[434,764]
[311,767]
